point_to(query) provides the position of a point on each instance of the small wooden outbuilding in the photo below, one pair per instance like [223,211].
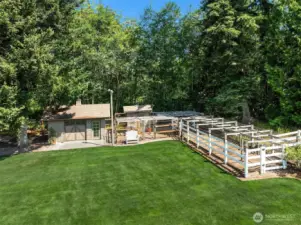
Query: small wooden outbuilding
[79,122]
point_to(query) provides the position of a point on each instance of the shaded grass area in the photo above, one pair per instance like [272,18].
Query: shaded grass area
[157,183]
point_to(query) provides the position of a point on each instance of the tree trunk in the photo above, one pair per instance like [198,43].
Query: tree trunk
[246,116]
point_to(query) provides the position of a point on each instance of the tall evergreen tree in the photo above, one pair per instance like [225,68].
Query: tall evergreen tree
[160,54]
[230,45]
[27,65]
[283,43]
[230,57]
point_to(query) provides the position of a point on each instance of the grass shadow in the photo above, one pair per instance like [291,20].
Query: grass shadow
[214,160]
[3,157]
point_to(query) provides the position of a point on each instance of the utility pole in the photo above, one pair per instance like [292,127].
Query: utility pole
[112,117]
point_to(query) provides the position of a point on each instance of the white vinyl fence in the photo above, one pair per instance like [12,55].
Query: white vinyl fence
[243,146]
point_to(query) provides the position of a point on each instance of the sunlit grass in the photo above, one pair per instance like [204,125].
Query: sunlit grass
[158,183]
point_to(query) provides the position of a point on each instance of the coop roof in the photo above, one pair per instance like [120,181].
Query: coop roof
[137,108]
[179,113]
[143,118]
[159,116]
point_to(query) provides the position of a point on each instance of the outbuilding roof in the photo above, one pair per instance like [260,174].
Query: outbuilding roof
[82,111]
[137,108]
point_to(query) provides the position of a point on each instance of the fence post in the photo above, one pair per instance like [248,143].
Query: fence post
[197,137]
[243,146]
[155,129]
[284,162]
[180,129]
[226,149]
[200,139]
[273,144]
[187,131]
[246,162]
[262,160]
[299,136]
[209,142]
[252,139]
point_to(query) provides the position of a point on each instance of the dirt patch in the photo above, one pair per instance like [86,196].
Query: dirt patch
[291,172]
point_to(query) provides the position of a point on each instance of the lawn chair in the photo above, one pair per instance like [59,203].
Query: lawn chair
[132,137]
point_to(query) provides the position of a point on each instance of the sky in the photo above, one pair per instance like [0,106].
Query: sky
[134,8]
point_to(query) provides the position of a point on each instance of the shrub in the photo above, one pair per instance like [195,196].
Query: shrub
[52,136]
[294,154]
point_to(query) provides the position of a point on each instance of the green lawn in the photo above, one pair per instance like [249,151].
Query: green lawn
[157,183]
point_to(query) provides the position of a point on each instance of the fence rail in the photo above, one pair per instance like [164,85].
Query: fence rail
[239,144]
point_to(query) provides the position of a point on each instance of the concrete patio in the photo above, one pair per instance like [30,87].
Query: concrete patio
[70,145]
[88,144]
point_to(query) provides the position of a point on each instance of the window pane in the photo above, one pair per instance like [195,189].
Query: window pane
[69,122]
[80,122]
[96,129]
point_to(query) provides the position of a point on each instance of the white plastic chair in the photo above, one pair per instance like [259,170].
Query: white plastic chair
[132,137]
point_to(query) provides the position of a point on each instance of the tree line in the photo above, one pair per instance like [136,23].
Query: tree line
[227,58]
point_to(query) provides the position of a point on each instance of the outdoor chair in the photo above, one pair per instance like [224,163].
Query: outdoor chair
[132,137]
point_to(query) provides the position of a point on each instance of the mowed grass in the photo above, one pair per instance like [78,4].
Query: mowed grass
[157,183]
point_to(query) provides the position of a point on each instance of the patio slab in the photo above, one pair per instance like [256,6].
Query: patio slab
[70,145]
[88,144]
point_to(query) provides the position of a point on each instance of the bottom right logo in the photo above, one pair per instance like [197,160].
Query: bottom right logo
[258,217]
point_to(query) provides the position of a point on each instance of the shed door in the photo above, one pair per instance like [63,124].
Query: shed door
[69,132]
[75,130]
